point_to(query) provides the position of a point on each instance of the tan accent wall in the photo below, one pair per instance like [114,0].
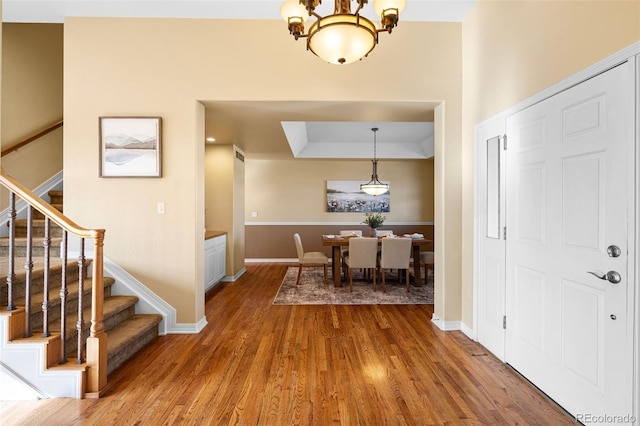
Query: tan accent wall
[32,99]
[163,66]
[515,49]
[276,241]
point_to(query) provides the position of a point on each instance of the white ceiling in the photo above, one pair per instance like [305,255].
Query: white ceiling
[54,11]
[267,129]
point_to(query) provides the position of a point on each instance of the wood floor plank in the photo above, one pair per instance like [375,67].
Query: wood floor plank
[262,364]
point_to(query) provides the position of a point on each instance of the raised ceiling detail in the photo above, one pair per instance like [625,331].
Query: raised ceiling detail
[395,140]
[323,129]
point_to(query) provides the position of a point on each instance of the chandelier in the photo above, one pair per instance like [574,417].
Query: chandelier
[374,186]
[343,37]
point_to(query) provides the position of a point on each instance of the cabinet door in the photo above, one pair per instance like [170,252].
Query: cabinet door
[210,267]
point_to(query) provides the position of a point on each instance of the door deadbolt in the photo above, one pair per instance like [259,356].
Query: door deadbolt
[614,251]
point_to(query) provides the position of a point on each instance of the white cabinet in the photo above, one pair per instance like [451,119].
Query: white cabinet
[215,260]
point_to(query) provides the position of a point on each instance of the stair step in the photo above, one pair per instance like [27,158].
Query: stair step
[21,247]
[55,300]
[37,229]
[117,309]
[37,275]
[55,196]
[127,338]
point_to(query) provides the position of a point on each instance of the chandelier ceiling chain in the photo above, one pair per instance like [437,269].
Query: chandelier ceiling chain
[374,186]
[343,37]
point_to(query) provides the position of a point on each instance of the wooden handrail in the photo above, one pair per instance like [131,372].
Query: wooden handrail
[44,208]
[50,128]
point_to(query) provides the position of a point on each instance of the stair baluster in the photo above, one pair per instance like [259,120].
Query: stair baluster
[28,266]
[11,275]
[64,292]
[46,304]
[80,324]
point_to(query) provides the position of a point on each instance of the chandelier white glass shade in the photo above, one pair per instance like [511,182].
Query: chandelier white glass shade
[343,37]
[374,186]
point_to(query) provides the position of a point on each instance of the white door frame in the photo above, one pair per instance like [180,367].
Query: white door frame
[630,53]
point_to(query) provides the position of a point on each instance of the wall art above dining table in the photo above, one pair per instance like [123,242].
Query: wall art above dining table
[346,196]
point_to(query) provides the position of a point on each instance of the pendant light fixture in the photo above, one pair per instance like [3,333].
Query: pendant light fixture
[374,186]
[343,37]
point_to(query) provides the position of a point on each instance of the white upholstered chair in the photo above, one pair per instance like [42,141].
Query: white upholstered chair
[344,251]
[383,232]
[312,259]
[428,259]
[363,253]
[395,254]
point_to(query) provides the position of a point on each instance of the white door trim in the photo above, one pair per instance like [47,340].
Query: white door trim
[630,53]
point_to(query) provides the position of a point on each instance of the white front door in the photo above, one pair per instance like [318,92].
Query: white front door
[570,198]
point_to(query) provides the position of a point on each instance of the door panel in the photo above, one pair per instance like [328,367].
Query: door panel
[491,217]
[568,184]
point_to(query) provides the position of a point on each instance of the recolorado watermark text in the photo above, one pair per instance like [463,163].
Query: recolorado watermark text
[605,418]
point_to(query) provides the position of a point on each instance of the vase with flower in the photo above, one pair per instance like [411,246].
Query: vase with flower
[374,220]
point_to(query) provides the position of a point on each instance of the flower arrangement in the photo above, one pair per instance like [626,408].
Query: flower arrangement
[374,220]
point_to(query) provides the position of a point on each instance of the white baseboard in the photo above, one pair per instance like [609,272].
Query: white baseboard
[446,325]
[235,277]
[468,331]
[149,302]
[272,260]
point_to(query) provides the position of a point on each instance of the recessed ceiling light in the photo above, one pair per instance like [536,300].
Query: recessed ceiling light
[210,139]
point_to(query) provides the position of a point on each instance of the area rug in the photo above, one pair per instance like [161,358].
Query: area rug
[313,291]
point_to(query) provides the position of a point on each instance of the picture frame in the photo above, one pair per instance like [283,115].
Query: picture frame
[130,147]
[345,196]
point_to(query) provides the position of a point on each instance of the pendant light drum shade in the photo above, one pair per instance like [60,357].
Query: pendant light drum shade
[374,186]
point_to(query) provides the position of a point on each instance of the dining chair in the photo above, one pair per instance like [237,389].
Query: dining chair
[395,254]
[363,253]
[428,259]
[311,259]
[384,232]
[344,251]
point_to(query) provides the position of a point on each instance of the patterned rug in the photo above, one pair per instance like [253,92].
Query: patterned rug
[312,291]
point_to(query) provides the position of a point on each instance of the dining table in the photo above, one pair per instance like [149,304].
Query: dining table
[337,242]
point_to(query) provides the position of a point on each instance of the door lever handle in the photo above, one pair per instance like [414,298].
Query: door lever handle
[612,276]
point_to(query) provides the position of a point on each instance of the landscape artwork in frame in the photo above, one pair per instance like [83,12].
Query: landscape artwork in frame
[346,196]
[130,147]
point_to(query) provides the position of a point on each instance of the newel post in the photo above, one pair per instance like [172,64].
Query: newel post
[97,340]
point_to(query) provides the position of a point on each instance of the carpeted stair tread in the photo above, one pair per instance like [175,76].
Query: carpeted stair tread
[54,294]
[20,247]
[128,337]
[112,306]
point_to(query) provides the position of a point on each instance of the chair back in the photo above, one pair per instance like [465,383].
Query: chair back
[299,248]
[383,232]
[351,232]
[363,252]
[396,253]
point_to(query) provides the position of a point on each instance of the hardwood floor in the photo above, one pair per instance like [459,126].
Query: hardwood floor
[256,363]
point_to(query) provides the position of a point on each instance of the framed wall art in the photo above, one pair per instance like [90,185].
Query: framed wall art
[346,196]
[130,147]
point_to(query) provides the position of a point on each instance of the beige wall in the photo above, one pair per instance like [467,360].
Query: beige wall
[295,190]
[515,49]
[32,99]
[163,67]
